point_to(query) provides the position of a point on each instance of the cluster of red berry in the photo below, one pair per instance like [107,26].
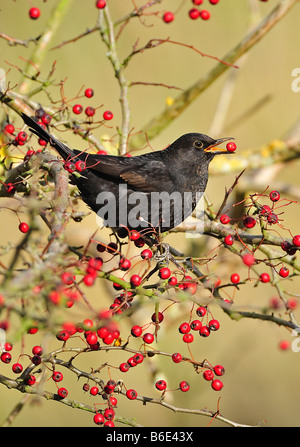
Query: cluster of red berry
[193,13]
[267,214]
[35,359]
[89,110]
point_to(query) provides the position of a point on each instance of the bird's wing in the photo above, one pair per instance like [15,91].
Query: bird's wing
[141,173]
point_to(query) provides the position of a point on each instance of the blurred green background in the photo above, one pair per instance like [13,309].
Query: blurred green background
[261,382]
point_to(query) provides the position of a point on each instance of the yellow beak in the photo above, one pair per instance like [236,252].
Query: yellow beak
[218,150]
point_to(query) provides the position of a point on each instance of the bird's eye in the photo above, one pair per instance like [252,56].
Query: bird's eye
[198,144]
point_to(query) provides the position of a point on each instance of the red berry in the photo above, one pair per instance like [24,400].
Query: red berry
[131,362]
[168,17]
[249,222]
[188,338]
[235,278]
[108,339]
[184,328]
[90,111]
[124,367]
[176,357]
[63,336]
[5,357]
[208,374]
[272,218]
[296,240]
[108,115]
[113,400]
[95,263]
[284,272]
[147,254]
[89,92]
[201,311]
[164,273]
[136,331]
[8,346]
[102,152]
[284,345]
[77,109]
[24,227]
[216,385]
[34,13]
[224,219]
[99,419]
[229,240]
[184,386]
[10,188]
[100,4]
[274,196]
[204,14]
[134,235]
[292,303]
[214,325]
[57,376]
[124,264]
[219,370]
[30,380]
[46,118]
[62,392]
[131,394]
[197,2]
[194,13]
[157,318]
[94,390]
[22,136]
[91,337]
[80,165]
[135,280]
[204,331]
[17,368]
[196,325]
[231,147]
[264,277]
[9,128]
[29,154]
[265,209]
[70,166]
[109,414]
[148,338]
[248,259]
[37,350]
[161,385]
[213,2]
[138,358]
[173,281]
[67,278]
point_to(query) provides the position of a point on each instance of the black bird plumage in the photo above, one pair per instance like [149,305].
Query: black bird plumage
[179,170]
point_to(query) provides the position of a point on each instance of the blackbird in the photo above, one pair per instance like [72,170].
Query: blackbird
[150,193]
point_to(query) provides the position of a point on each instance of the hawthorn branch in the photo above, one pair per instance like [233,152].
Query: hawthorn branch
[14,41]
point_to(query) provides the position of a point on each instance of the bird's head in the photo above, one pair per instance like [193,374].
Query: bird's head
[201,145]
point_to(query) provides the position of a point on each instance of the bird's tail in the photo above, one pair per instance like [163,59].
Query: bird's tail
[64,151]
